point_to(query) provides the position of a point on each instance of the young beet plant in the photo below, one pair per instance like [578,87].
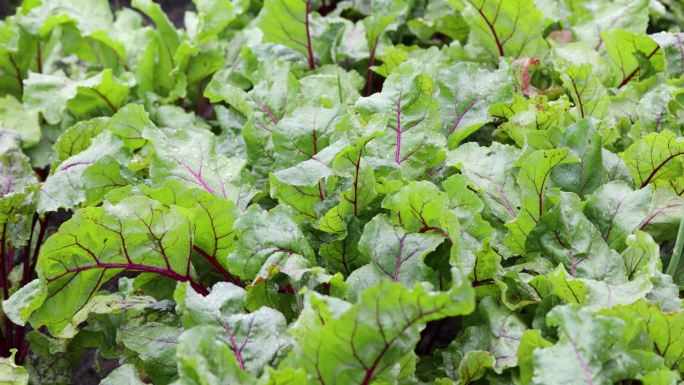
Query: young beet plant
[342,192]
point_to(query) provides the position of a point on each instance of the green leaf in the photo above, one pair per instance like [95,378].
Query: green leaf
[357,190]
[167,32]
[504,28]
[261,335]
[287,23]
[87,176]
[15,119]
[125,374]
[592,18]
[656,158]
[422,207]
[77,138]
[11,373]
[342,255]
[265,239]
[155,345]
[287,376]
[665,330]
[303,135]
[590,97]
[18,184]
[411,141]
[89,16]
[473,366]
[590,172]
[396,254]
[332,85]
[108,304]
[642,256]
[214,17]
[206,357]
[586,347]
[371,336]
[671,45]
[19,307]
[467,90]
[256,339]
[439,18]
[534,180]
[51,95]
[498,334]
[489,170]
[530,121]
[159,61]
[664,293]
[616,210]
[303,186]
[224,299]
[213,219]
[623,46]
[191,158]
[566,236]
[136,234]
[660,377]
[529,342]
[128,123]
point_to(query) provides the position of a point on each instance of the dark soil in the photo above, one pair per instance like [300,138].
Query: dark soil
[175,9]
[7,7]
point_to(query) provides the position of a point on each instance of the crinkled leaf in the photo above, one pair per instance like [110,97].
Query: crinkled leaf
[303,186]
[87,176]
[499,336]
[224,299]
[373,334]
[466,91]
[422,207]
[566,236]
[587,346]
[411,141]
[18,189]
[534,180]
[396,254]
[206,358]
[191,158]
[155,344]
[89,16]
[490,171]
[265,239]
